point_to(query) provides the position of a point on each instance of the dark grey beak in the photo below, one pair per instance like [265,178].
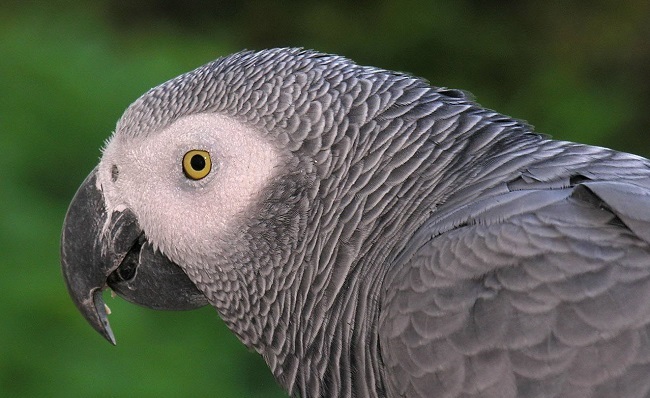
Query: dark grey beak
[95,255]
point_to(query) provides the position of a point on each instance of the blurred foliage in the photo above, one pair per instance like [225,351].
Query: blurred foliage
[577,70]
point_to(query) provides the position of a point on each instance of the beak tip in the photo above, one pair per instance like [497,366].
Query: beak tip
[111,338]
[102,325]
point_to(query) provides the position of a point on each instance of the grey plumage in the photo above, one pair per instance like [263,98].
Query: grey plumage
[371,235]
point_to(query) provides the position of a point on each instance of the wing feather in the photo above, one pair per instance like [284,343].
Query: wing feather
[527,293]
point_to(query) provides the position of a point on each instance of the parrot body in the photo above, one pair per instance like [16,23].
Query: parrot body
[371,235]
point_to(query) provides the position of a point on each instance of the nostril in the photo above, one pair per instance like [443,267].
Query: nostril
[115,173]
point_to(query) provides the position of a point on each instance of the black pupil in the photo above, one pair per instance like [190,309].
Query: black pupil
[197,162]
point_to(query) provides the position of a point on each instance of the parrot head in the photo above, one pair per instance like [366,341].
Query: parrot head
[257,184]
[156,217]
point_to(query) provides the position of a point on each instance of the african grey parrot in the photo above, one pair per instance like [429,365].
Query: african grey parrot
[371,235]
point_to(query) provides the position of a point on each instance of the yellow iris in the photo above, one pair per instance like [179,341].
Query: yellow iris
[197,164]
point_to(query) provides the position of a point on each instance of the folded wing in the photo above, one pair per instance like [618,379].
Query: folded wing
[535,293]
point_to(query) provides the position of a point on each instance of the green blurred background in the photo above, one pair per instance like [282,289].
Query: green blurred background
[576,70]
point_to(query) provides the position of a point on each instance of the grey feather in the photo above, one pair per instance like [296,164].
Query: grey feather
[404,241]
[551,279]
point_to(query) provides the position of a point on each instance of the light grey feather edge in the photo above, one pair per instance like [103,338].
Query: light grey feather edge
[538,289]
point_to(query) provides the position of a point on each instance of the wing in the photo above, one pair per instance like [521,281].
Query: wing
[535,293]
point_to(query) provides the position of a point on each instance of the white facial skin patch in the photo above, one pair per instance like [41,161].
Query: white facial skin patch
[179,215]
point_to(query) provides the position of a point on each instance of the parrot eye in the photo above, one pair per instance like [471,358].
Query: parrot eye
[196,164]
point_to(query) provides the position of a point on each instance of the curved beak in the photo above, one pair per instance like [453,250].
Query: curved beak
[91,250]
[100,250]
